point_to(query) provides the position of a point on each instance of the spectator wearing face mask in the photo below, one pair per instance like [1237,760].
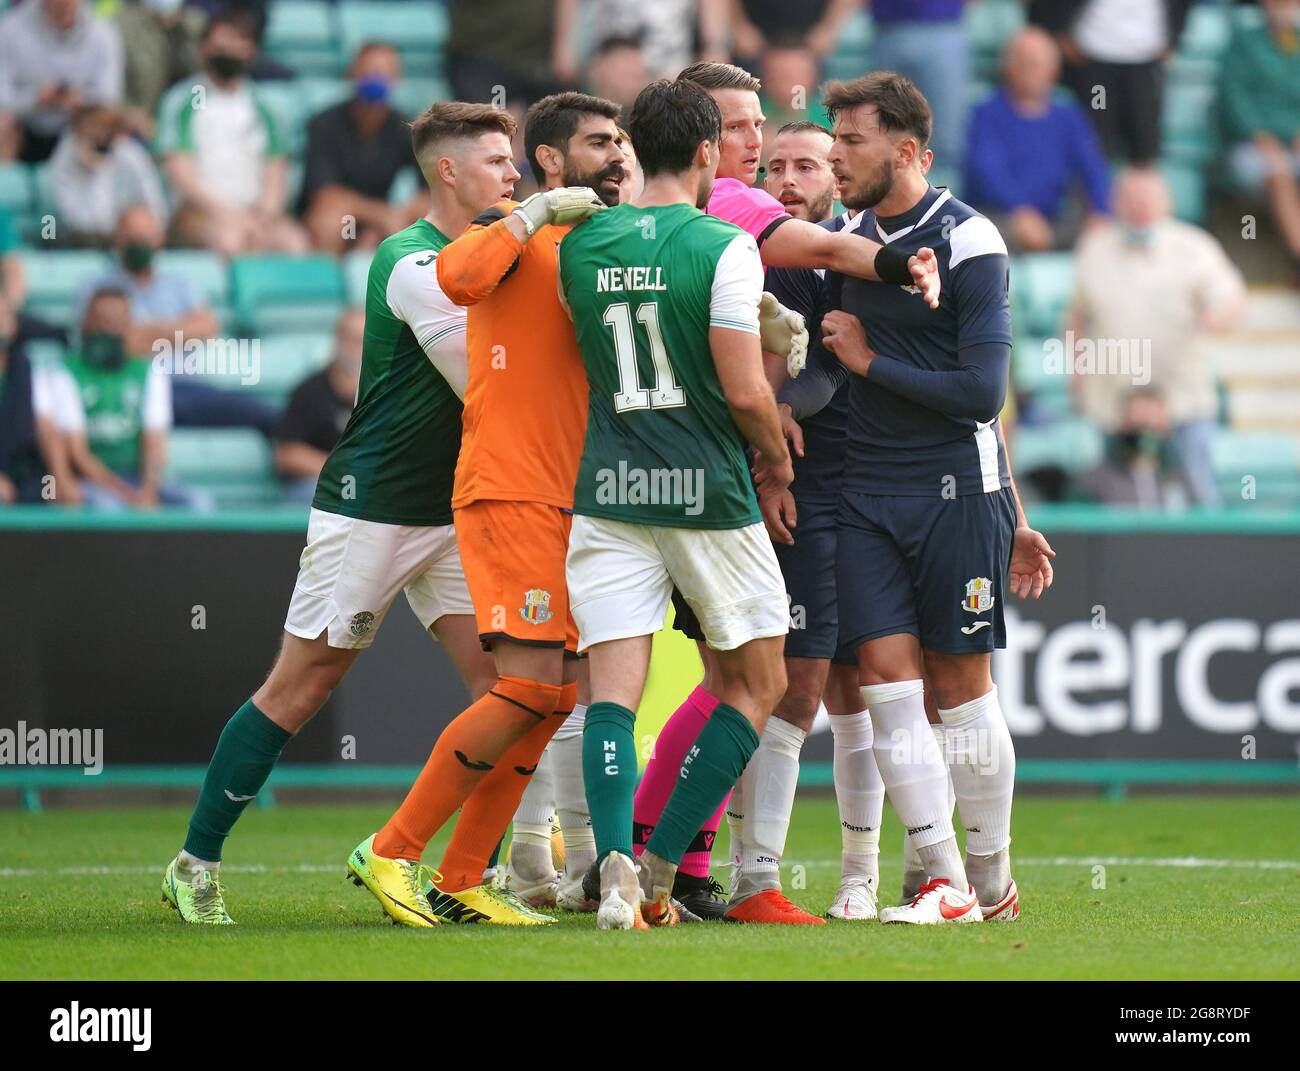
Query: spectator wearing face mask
[354,152]
[1149,289]
[318,410]
[1141,469]
[95,173]
[166,306]
[55,57]
[113,413]
[224,152]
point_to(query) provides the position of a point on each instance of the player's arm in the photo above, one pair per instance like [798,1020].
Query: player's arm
[799,244]
[437,322]
[476,263]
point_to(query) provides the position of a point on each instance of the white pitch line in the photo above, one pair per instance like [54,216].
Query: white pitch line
[1187,862]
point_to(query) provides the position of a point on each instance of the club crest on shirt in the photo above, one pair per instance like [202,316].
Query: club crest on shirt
[537,606]
[979,595]
[362,622]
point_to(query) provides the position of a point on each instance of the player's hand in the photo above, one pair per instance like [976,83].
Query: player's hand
[924,266]
[145,498]
[1031,563]
[8,492]
[568,204]
[790,429]
[779,515]
[783,332]
[844,335]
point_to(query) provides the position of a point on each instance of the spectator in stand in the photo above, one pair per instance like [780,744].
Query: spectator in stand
[13,281]
[673,33]
[925,40]
[55,56]
[1028,153]
[1261,113]
[757,24]
[790,76]
[166,307]
[28,447]
[113,413]
[354,152]
[224,152]
[317,411]
[160,41]
[506,44]
[616,71]
[96,172]
[1148,289]
[1119,47]
[1141,467]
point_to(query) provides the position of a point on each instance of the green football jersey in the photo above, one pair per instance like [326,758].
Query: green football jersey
[643,286]
[114,403]
[397,456]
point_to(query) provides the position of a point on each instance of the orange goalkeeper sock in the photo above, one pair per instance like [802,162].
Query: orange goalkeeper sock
[466,752]
[487,812]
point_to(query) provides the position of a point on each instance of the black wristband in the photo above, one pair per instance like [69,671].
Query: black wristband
[891,266]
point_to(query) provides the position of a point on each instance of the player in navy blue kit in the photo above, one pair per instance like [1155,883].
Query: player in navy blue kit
[930,532]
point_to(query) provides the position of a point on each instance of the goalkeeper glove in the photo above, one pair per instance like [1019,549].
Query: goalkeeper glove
[783,332]
[569,204]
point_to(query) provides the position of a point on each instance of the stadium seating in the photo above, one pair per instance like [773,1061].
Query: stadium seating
[303,35]
[356,270]
[55,278]
[1072,444]
[1256,467]
[280,293]
[1041,287]
[419,31]
[233,464]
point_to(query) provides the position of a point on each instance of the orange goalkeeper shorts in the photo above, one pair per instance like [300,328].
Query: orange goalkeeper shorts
[513,555]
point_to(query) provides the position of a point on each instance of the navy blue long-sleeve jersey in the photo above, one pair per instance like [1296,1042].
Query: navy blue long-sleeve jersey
[806,291]
[924,420]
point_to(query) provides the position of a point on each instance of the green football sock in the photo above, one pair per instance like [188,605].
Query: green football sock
[712,765]
[248,748]
[496,855]
[609,770]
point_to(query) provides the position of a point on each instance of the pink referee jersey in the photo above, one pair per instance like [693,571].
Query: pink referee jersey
[751,209]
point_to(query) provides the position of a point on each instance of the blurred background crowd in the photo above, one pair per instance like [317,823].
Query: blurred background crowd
[205,179]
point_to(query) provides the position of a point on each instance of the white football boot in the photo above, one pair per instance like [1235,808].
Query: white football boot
[531,875]
[620,895]
[937,903]
[1005,910]
[854,900]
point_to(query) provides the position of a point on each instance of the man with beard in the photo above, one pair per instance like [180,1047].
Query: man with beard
[931,534]
[525,417]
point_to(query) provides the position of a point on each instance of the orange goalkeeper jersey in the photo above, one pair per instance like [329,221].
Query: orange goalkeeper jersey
[526,401]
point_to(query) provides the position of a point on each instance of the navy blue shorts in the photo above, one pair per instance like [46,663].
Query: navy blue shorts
[808,566]
[933,567]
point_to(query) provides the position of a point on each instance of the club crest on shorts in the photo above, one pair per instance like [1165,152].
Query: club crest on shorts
[979,595]
[362,622]
[537,606]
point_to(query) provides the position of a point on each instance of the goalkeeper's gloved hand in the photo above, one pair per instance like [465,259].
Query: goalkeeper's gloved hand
[569,204]
[783,332]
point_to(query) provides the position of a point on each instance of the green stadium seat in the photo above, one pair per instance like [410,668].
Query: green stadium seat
[318,93]
[55,278]
[1187,186]
[856,34]
[204,271]
[283,293]
[418,31]
[1041,287]
[1271,458]
[1207,31]
[303,35]
[412,95]
[16,189]
[288,359]
[1073,445]
[233,464]
[356,271]
[287,103]
[45,352]
[988,25]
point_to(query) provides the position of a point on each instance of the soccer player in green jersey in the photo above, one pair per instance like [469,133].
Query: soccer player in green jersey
[380,523]
[664,301]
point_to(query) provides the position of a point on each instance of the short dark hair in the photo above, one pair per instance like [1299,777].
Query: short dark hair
[449,119]
[720,76]
[804,126]
[899,104]
[553,120]
[668,122]
[107,290]
[243,21]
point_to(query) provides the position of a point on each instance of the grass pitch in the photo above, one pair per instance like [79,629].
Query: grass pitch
[1168,887]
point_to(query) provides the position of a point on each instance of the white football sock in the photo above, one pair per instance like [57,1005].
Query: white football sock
[770,780]
[735,813]
[915,775]
[189,866]
[982,760]
[571,796]
[860,794]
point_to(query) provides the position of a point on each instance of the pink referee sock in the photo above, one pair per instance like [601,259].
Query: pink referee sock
[660,778]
